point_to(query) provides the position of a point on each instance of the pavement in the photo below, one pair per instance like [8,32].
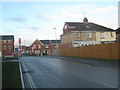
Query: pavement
[67,72]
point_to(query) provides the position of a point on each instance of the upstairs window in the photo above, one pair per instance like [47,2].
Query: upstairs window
[9,41]
[88,35]
[65,27]
[111,34]
[4,41]
[34,46]
[88,27]
[78,34]
[102,35]
[46,46]
[39,46]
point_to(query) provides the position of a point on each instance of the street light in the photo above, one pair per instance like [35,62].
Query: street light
[55,35]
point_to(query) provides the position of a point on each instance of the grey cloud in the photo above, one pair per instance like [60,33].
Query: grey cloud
[33,28]
[17,19]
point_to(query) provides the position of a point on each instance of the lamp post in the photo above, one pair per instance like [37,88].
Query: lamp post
[55,35]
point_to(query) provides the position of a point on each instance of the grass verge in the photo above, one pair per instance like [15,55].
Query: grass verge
[11,75]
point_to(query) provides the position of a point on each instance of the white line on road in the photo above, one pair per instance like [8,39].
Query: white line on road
[23,85]
[101,82]
[32,85]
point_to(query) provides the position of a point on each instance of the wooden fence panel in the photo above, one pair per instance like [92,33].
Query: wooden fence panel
[104,51]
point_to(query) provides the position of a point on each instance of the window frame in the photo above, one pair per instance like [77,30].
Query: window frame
[88,35]
[78,34]
[9,41]
[4,41]
[34,46]
[102,36]
[4,47]
[39,46]
[9,46]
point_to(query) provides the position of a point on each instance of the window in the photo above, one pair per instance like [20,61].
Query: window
[4,41]
[65,26]
[9,41]
[78,34]
[4,47]
[88,35]
[34,46]
[46,46]
[39,46]
[87,27]
[102,35]
[9,47]
[111,34]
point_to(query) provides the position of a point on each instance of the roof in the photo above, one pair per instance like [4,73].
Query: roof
[88,26]
[50,41]
[6,37]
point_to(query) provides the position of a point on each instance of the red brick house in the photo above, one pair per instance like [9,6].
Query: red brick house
[43,47]
[7,45]
[36,48]
[50,45]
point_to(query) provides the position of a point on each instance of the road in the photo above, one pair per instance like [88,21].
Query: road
[64,72]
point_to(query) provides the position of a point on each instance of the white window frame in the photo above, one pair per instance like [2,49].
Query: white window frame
[78,34]
[4,47]
[9,46]
[102,35]
[88,35]
[9,41]
[4,41]
[46,46]
[65,26]
[39,46]
[34,46]
[111,34]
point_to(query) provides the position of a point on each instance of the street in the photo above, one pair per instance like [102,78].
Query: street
[65,72]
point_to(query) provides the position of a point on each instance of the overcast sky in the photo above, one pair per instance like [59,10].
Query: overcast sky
[35,20]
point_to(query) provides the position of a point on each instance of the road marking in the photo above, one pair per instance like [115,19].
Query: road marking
[101,82]
[23,85]
[32,85]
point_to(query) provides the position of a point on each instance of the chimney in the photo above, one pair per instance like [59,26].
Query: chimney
[85,20]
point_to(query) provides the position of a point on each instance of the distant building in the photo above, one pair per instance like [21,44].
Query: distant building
[49,45]
[27,50]
[118,34]
[43,47]
[86,31]
[6,46]
[36,48]
[22,49]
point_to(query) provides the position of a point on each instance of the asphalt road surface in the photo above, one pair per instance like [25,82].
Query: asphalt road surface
[65,72]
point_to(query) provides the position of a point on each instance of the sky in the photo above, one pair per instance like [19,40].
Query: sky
[31,20]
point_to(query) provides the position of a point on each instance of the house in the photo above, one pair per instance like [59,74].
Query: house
[7,45]
[43,47]
[118,34]
[86,31]
[49,45]
[36,48]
